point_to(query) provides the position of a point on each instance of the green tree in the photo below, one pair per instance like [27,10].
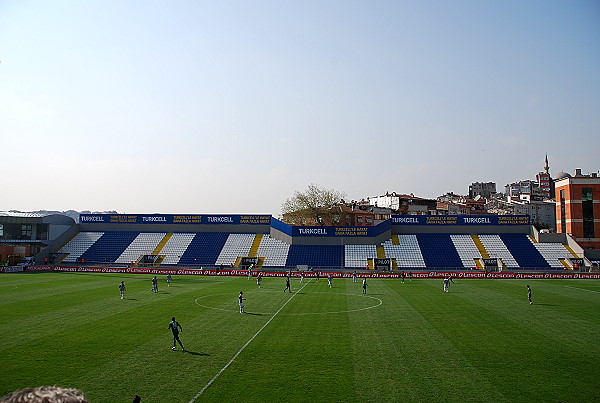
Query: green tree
[312,206]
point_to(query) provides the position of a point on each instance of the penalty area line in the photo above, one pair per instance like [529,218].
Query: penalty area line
[245,345]
[582,289]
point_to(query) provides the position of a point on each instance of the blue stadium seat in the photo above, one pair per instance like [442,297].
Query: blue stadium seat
[109,247]
[439,251]
[204,249]
[323,256]
[526,255]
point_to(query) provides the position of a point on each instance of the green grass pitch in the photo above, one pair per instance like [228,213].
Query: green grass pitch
[482,341]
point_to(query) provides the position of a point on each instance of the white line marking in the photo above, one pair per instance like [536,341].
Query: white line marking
[245,345]
[301,313]
[582,289]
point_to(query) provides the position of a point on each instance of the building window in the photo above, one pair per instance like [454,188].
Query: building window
[359,219]
[563,213]
[26,231]
[587,206]
[1,229]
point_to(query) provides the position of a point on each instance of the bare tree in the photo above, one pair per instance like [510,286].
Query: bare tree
[311,206]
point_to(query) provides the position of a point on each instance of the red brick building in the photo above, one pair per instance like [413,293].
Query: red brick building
[578,207]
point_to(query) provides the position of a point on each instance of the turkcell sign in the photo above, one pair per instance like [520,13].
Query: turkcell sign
[92,218]
[175,219]
[315,231]
[159,219]
[334,232]
[220,219]
[449,220]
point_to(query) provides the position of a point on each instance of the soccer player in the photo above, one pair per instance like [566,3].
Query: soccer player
[241,299]
[302,277]
[176,328]
[258,278]
[354,276]
[287,284]
[329,279]
[122,289]
[410,276]
[317,274]
[364,285]
[447,283]
[529,295]
[154,284]
[403,275]
[250,271]
[169,280]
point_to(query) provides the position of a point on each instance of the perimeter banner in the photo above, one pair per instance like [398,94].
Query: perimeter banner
[460,220]
[11,269]
[322,274]
[174,219]
[331,231]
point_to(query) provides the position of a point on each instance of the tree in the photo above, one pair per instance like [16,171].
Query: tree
[311,207]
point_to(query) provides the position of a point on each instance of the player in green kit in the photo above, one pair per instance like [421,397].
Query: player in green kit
[175,328]
[122,289]
[241,300]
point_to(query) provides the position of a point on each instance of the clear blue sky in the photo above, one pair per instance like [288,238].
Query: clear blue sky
[231,106]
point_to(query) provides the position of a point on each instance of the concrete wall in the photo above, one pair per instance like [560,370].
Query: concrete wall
[57,243]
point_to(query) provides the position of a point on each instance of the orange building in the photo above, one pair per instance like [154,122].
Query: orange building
[578,207]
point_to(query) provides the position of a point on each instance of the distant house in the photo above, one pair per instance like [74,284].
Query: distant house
[404,204]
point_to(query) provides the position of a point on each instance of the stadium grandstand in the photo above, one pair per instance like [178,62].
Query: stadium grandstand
[25,235]
[403,243]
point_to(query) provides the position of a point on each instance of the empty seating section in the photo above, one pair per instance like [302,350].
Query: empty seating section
[407,253]
[357,255]
[497,249]
[236,245]
[439,251]
[467,250]
[109,246]
[176,247]
[426,250]
[143,244]
[204,249]
[273,250]
[79,244]
[522,249]
[553,253]
[323,256]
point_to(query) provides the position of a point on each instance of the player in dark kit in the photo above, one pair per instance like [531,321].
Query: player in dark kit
[287,284]
[529,294]
[176,328]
